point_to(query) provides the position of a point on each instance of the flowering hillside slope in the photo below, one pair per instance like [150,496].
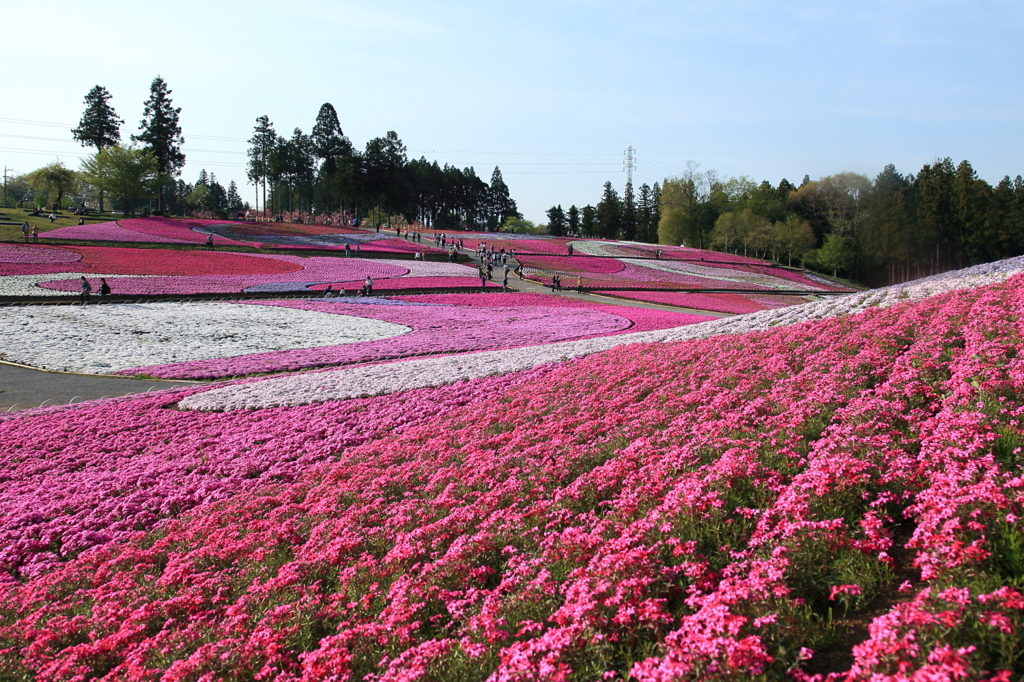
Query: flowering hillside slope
[841,495]
[349,383]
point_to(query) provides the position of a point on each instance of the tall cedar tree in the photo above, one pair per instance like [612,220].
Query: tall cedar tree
[609,213]
[234,199]
[100,125]
[572,217]
[161,132]
[502,205]
[263,142]
[329,143]
[628,218]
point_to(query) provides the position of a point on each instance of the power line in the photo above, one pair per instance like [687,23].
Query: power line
[448,151]
[665,166]
[553,172]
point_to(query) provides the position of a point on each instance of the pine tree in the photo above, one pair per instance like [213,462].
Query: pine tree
[100,126]
[161,133]
[263,141]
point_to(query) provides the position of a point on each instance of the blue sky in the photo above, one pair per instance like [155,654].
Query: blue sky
[552,92]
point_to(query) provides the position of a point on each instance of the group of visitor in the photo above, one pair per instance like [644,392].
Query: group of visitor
[556,283]
[442,241]
[87,289]
[365,290]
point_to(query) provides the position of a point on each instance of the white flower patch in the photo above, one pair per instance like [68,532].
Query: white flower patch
[387,378]
[430,269]
[711,272]
[101,339]
[591,248]
[28,285]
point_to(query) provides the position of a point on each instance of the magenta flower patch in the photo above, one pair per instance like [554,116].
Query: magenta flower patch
[436,330]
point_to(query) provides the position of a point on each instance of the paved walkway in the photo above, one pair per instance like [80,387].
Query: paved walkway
[22,388]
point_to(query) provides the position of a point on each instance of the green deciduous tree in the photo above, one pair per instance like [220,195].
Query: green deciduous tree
[689,206]
[126,173]
[54,180]
[200,199]
[19,189]
[834,254]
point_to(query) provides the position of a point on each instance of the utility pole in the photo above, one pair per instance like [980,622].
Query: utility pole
[629,163]
[6,171]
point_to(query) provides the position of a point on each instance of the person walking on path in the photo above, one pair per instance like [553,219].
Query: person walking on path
[104,289]
[348,250]
[25,231]
[209,242]
[483,279]
[35,233]
[570,249]
[579,285]
[369,285]
[504,282]
[86,288]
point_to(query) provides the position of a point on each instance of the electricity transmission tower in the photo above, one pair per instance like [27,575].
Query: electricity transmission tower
[629,163]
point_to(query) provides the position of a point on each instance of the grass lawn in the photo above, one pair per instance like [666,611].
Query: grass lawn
[64,219]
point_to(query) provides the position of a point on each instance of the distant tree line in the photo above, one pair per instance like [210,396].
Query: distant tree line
[320,173]
[891,229]
[633,216]
[323,172]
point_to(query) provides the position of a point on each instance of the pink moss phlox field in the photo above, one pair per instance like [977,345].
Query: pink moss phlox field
[715,509]
[112,232]
[189,272]
[172,229]
[643,319]
[76,480]
[736,304]
[22,255]
[436,330]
